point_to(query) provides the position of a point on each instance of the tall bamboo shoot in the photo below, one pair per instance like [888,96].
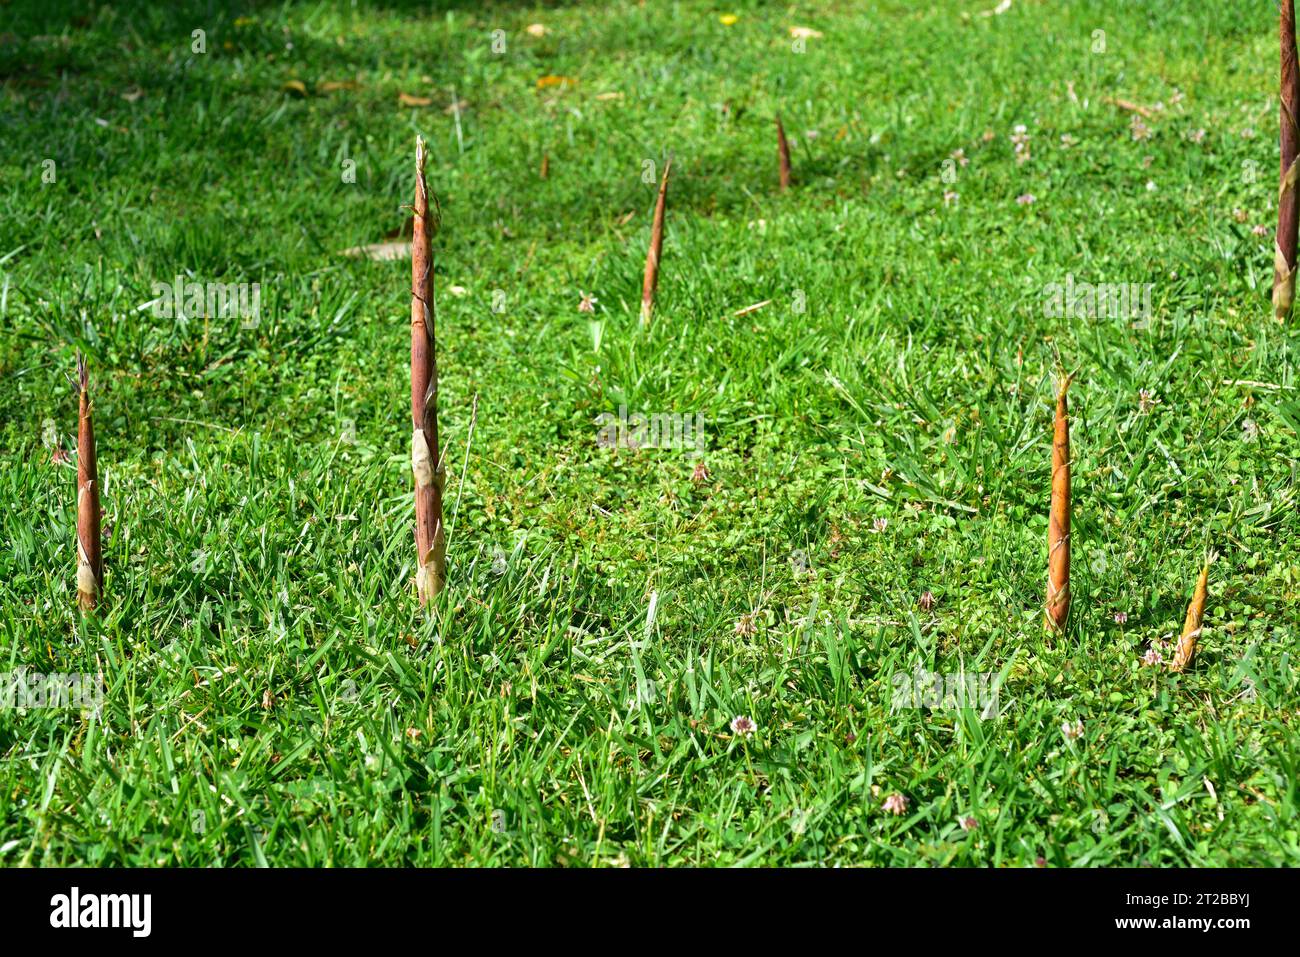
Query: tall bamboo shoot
[430,537]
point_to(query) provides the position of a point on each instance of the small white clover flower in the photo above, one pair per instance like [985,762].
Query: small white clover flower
[895,804]
[743,726]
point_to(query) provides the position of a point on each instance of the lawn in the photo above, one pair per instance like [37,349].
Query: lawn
[868,500]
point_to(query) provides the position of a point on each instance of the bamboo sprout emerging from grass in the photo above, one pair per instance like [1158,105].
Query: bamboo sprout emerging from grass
[1186,649]
[430,537]
[783,151]
[1284,250]
[1058,522]
[656,247]
[90,559]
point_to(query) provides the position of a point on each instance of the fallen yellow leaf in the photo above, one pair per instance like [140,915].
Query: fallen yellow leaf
[727,19]
[804,33]
[535,29]
[553,80]
[406,99]
[296,87]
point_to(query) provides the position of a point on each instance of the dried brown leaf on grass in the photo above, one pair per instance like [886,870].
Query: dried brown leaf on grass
[380,252]
[1186,649]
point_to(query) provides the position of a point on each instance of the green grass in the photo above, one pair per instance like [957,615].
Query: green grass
[273,694]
